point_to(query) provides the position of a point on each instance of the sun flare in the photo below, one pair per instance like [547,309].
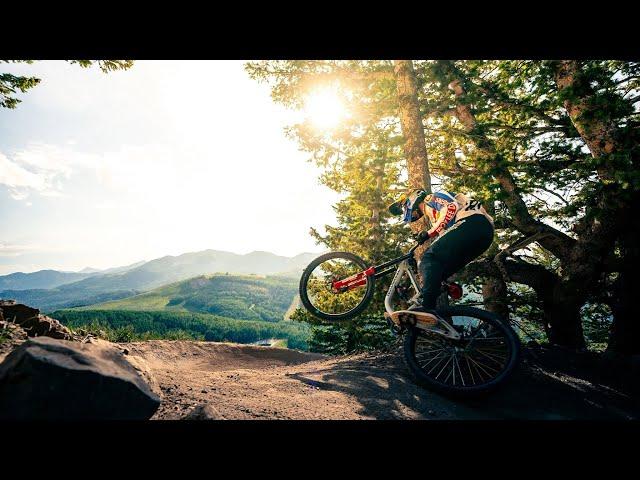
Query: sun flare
[324,108]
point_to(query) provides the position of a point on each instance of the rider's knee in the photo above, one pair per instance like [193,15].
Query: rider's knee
[428,258]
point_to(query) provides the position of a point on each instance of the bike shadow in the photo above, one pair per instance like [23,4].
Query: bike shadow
[382,387]
[381,384]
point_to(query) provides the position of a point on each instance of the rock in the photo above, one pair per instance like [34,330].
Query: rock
[35,324]
[142,367]
[205,411]
[45,378]
[11,335]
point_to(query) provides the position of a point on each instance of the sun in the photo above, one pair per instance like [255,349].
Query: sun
[324,108]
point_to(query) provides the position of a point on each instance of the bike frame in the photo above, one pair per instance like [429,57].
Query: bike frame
[442,327]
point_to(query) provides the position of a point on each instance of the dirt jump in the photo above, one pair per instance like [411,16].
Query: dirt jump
[231,381]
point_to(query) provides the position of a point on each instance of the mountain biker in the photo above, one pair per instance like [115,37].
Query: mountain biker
[462,229]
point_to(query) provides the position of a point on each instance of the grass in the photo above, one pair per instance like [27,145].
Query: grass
[144,301]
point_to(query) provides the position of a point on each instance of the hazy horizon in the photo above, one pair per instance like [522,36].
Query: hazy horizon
[103,170]
[145,260]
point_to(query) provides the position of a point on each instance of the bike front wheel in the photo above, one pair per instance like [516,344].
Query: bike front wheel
[317,286]
[482,359]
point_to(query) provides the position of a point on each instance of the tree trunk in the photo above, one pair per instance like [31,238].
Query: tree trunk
[494,294]
[625,330]
[605,220]
[494,289]
[565,327]
[562,315]
[415,149]
[376,210]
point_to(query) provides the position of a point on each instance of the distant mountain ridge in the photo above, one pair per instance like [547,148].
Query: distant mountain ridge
[40,279]
[105,286]
[53,278]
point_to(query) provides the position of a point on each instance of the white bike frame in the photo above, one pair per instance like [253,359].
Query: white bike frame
[442,327]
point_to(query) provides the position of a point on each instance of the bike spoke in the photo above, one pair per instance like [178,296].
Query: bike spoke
[436,364]
[445,366]
[421,354]
[481,365]
[470,371]
[492,356]
[434,358]
[460,370]
[475,365]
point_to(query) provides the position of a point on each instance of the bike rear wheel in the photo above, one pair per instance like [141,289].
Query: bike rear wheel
[319,296]
[482,360]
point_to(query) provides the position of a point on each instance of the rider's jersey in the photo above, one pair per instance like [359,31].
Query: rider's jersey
[445,208]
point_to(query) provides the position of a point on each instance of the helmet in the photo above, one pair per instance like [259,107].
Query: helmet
[407,205]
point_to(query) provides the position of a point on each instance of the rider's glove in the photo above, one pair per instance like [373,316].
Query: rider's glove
[423,236]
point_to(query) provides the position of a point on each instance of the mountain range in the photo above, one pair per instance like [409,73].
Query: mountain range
[53,278]
[70,289]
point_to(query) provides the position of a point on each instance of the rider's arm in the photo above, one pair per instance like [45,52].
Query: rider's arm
[446,212]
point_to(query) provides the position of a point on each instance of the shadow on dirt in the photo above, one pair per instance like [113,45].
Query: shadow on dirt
[383,387]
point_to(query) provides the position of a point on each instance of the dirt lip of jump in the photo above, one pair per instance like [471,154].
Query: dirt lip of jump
[255,382]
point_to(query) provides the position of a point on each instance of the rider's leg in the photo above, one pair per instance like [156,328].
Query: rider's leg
[432,270]
[462,242]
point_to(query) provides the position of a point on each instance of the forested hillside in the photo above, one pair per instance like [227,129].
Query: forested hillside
[125,326]
[240,297]
[115,285]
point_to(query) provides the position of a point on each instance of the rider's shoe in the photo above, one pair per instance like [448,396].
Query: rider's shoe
[414,315]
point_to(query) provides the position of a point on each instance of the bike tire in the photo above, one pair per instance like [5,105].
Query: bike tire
[461,392]
[308,305]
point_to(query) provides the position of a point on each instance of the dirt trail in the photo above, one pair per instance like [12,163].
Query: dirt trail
[252,382]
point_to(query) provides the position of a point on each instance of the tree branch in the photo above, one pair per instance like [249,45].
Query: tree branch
[553,240]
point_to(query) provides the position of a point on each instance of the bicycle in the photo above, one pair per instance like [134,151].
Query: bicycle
[460,351]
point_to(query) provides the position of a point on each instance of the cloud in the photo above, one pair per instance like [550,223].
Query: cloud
[44,169]
[13,250]
[38,168]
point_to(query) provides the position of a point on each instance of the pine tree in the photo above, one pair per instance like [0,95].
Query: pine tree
[551,148]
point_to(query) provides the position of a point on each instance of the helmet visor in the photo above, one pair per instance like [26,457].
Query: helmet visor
[411,212]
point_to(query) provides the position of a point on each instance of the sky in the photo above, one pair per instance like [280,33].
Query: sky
[102,170]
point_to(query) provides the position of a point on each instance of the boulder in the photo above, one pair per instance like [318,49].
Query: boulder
[35,324]
[45,378]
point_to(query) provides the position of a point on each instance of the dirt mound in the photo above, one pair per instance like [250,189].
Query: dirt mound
[253,382]
[211,356]
[207,380]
